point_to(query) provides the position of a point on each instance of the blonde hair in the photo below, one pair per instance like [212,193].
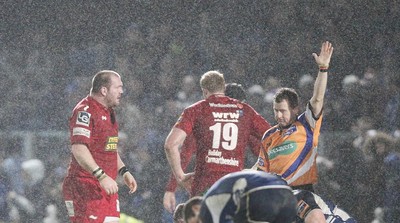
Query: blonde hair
[213,81]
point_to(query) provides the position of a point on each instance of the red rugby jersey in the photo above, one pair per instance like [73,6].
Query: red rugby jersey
[221,127]
[95,126]
[189,147]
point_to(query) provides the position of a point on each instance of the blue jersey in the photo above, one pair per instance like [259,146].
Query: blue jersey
[249,196]
[308,201]
[392,190]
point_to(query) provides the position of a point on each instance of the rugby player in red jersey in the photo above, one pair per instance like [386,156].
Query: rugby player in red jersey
[90,187]
[232,90]
[221,127]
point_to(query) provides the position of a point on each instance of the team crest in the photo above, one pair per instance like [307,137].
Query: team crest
[260,161]
[290,130]
[83,118]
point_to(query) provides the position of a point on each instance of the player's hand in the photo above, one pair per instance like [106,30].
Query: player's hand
[109,185]
[324,57]
[186,181]
[169,201]
[130,182]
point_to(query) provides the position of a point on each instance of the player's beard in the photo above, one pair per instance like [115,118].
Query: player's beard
[286,126]
[112,103]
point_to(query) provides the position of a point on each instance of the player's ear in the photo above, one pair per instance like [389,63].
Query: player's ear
[296,110]
[205,92]
[103,91]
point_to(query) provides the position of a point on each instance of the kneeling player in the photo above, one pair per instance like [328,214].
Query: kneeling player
[249,196]
[312,208]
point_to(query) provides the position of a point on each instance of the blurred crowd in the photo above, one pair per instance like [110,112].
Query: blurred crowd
[161,64]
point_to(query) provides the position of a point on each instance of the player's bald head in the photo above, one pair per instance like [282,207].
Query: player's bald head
[102,79]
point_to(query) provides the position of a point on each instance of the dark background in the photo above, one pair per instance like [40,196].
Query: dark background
[51,49]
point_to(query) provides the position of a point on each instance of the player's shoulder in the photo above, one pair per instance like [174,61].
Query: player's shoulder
[247,106]
[86,104]
[195,108]
[196,105]
[270,131]
[89,107]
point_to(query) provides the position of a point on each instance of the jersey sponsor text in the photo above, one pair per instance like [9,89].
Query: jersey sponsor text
[222,160]
[218,105]
[112,143]
[284,149]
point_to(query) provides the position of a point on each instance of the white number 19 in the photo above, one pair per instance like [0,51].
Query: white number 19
[229,135]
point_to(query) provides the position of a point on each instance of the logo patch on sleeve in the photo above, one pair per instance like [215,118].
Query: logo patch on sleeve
[81,131]
[83,118]
[70,208]
[260,161]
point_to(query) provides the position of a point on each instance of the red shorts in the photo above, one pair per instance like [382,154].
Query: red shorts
[87,202]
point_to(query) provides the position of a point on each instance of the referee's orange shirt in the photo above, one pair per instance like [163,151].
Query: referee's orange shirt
[292,152]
